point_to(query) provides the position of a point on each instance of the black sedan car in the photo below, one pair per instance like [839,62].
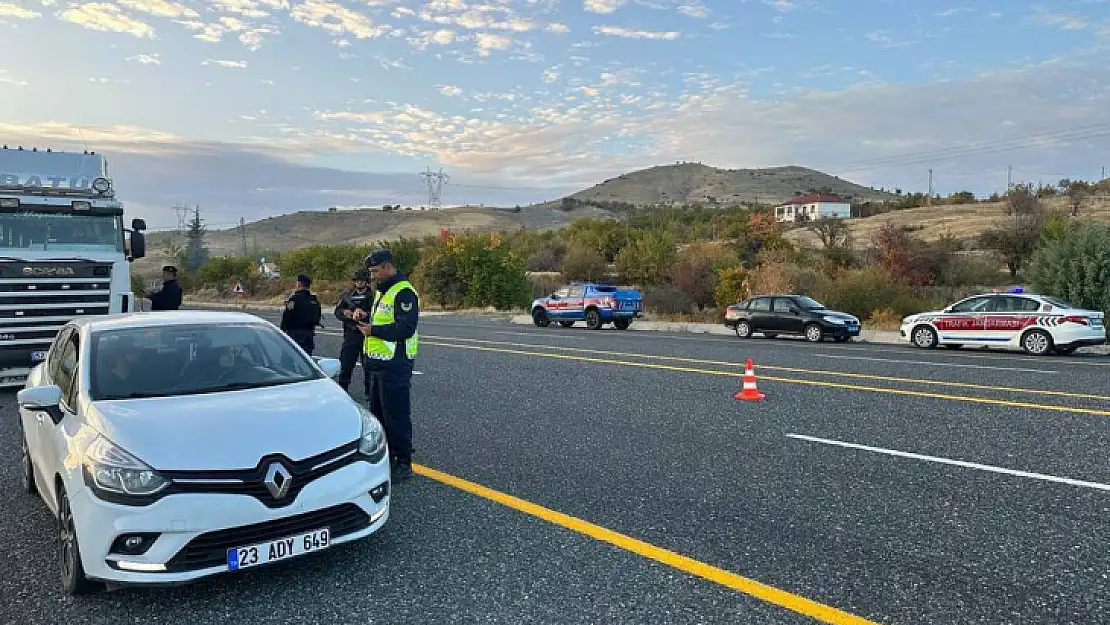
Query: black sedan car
[772,315]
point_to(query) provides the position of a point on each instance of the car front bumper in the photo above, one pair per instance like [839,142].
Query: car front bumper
[197,529]
[841,330]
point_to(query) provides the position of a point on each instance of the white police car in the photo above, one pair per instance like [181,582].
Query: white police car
[1037,324]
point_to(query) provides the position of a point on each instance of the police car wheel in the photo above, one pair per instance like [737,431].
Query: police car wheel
[540,318]
[1036,343]
[924,337]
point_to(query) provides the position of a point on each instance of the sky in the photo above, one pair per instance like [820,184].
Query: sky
[251,108]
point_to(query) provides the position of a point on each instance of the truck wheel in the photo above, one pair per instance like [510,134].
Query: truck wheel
[540,318]
[593,319]
[622,324]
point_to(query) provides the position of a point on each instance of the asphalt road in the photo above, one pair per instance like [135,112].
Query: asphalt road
[769,512]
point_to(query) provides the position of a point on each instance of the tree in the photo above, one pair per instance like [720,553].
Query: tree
[195,253]
[832,232]
[583,263]
[1014,238]
[1075,266]
[695,278]
[731,287]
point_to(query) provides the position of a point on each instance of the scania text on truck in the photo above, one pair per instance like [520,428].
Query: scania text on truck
[64,251]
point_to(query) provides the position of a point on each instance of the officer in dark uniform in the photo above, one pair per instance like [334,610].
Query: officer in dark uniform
[169,297]
[353,306]
[389,351]
[302,315]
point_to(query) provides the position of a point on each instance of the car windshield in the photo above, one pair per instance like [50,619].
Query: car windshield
[809,304]
[172,360]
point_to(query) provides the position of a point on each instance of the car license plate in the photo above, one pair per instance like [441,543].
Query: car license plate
[38,355]
[280,549]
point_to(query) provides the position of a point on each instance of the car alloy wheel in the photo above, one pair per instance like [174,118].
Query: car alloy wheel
[1037,343]
[814,333]
[743,330]
[924,337]
[69,551]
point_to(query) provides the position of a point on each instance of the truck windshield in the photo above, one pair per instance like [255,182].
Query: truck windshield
[63,232]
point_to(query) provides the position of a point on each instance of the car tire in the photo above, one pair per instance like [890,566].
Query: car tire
[743,330]
[593,319]
[814,333]
[72,571]
[27,468]
[924,337]
[1036,343]
[622,324]
[540,318]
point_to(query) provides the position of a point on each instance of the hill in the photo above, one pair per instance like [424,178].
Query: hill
[680,183]
[963,221]
[697,183]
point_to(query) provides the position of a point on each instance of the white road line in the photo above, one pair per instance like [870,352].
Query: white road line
[957,463]
[935,363]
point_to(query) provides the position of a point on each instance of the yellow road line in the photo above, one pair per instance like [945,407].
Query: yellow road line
[825,372]
[782,598]
[837,385]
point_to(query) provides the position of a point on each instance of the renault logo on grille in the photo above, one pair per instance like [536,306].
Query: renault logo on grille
[278,480]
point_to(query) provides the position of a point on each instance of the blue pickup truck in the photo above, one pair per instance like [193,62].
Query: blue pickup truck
[596,304]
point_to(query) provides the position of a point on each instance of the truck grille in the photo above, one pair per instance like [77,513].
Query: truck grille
[38,298]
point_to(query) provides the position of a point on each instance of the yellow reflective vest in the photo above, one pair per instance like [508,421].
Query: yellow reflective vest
[376,348]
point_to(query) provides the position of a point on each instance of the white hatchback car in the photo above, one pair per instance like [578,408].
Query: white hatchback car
[1037,324]
[172,446]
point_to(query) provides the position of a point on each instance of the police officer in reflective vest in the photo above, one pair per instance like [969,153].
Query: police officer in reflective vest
[389,350]
[353,306]
[302,315]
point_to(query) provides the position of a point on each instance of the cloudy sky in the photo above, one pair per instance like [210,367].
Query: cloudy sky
[257,107]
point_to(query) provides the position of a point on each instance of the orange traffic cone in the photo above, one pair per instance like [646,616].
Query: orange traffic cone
[749,392]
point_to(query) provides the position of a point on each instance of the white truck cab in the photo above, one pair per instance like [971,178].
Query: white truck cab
[64,251]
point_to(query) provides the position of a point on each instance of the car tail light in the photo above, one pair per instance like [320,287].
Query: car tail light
[1086,321]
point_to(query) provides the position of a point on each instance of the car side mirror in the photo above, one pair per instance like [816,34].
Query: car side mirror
[42,399]
[330,366]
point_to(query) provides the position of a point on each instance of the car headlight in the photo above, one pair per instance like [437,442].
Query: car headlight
[835,320]
[111,470]
[372,444]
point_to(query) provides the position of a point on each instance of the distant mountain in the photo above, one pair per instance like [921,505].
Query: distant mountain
[690,183]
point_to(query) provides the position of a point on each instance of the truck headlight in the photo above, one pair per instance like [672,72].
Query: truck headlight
[372,444]
[116,473]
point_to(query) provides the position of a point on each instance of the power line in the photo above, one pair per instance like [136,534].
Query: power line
[980,149]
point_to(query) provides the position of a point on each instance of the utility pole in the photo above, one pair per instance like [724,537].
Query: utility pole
[1009,177]
[1103,173]
[930,201]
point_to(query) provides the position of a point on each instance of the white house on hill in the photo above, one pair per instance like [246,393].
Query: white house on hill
[813,206]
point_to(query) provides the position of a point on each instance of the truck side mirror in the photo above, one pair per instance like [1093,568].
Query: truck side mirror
[138,245]
[138,225]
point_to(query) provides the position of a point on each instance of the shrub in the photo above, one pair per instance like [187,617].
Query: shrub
[667,299]
[583,263]
[731,286]
[862,291]
[1075,266]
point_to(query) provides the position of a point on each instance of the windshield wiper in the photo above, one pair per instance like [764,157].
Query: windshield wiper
[131,396]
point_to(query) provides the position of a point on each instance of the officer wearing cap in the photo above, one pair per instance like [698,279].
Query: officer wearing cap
[389,350]
[302,315]
[169,297]
[353,306]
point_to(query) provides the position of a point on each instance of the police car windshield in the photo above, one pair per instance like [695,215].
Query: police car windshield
[190,359]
